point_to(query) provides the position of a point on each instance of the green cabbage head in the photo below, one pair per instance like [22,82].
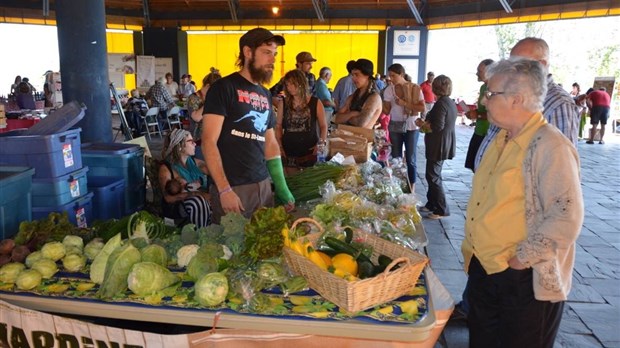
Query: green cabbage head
[46,267]
[28,279]
[211,289]
[92,249]
[73,241]
[155,253]
[10,271]
[147,278]
[53,251]
[74,262]
[32,257]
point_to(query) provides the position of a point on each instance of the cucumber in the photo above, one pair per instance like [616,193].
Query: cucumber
[365,269]
[328,251]
[348,232]
[343,247]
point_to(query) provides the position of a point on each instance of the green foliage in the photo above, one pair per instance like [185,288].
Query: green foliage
[37,232]
[263,234]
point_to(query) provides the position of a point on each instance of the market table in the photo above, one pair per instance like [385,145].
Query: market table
[243,326]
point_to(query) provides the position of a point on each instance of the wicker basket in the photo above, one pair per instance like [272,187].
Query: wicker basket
[354,296]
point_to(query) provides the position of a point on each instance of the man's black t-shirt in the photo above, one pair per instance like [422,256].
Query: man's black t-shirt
[248,114]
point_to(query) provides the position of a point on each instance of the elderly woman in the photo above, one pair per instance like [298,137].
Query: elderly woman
[191,202]
[403,101]
[195,105]
[301,123]
[523,217]
[440,142]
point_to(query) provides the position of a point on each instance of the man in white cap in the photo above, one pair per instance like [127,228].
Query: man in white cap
[238,139]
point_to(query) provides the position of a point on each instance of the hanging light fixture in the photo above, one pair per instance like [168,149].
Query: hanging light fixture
[275,10]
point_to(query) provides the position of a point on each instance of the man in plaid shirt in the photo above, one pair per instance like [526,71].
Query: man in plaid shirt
[160,97]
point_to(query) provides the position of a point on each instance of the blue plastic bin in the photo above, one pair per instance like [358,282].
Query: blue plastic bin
[109,197]
[50,192]
[79,211]
[119,160]
[15,204]
[50,155]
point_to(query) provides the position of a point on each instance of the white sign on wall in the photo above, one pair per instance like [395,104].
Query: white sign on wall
[411,67]
[406,43]
[145,72]
[120,64]
[162,67]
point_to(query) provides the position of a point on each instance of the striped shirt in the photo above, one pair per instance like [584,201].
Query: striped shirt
[560,110]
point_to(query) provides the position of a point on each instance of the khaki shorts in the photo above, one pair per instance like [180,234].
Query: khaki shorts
[252,196]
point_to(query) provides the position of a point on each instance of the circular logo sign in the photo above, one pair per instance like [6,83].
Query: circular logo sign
[402,38]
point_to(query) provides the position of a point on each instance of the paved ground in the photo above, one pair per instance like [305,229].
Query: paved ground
[592,314]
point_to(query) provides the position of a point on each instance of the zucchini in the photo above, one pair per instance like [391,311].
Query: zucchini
[365,269]
[384,261]
[348,233]
[328,251]
[343,247]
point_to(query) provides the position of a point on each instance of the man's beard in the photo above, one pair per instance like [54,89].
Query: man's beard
[259,74]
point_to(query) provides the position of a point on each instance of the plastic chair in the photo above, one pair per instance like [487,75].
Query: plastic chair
[150,120]
[174,117]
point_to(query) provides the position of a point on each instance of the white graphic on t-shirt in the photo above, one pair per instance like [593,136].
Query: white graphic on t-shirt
[259,119]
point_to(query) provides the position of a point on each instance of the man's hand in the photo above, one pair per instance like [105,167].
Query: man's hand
[472,114]
[231,203]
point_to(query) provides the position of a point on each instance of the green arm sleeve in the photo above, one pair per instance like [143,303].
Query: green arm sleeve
[283,195]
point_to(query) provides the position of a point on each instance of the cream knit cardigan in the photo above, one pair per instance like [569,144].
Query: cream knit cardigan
[553,211]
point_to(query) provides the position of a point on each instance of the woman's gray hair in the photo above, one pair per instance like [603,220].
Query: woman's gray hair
[522,76]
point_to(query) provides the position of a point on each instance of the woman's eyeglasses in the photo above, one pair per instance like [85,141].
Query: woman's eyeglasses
[489,94]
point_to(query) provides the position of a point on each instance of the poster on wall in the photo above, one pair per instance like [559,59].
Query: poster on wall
[119,65]
[145,72]
[162,67]
[411,66]
[406,43]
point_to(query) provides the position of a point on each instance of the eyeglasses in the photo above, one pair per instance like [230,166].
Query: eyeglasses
[489,94]
[191,141]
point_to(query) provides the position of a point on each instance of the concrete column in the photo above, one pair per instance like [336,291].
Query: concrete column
[84,64]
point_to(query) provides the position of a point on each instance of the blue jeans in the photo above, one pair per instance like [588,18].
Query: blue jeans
[410,139]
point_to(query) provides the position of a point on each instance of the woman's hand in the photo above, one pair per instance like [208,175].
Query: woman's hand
[514,263]
[231,203]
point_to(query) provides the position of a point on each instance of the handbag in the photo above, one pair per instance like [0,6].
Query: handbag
[397,127]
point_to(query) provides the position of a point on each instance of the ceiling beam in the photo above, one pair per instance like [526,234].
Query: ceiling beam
[416,13]
[233,6]
[506,6]
[146,13]
[319,8]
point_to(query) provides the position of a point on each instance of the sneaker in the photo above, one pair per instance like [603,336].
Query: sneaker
[435,216]
[589,142]
[423,209]
[601,142]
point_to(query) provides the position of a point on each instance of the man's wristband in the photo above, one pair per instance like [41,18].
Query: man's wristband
[226,190]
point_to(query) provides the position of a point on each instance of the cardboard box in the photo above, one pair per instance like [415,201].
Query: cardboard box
[352,141]
[369,134]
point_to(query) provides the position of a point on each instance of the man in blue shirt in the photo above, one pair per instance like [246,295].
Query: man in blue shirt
[344,88]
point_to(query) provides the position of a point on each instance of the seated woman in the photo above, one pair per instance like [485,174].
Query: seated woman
[299,114]
[191,202]
[363,107]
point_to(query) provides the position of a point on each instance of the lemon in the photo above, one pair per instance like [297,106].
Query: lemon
[345,263]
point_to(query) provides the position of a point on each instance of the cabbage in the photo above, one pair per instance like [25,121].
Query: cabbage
[211,289]
[74,262]
[270,274]
[10,271]
[92,249]
[53,251]
[155,253]
[32,257]
[185,254]
[73,250]
[28,279]
[200,265]
[117,270]
[97,268]
[46,267]
[147,278]
[73,241]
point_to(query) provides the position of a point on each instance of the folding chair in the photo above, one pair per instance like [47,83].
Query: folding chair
[174,117]
[150,120]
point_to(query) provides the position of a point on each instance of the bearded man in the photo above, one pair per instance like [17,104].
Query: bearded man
[238,139]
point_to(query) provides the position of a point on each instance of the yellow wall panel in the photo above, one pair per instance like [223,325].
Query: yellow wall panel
[332,50]
[122,42]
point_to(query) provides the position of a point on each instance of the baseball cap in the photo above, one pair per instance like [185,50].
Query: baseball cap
[303,57]
[258,36]
[364,65]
